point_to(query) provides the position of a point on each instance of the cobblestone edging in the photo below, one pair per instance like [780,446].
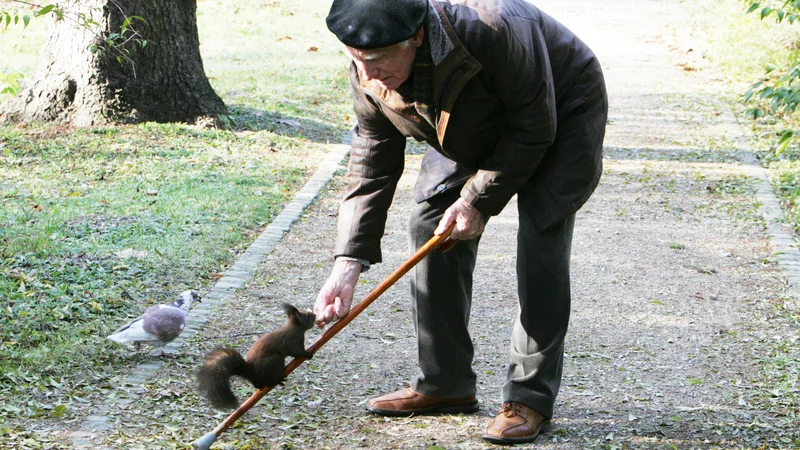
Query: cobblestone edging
[234,278]
[780,235]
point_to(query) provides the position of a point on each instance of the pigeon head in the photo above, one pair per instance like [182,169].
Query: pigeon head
[184,301]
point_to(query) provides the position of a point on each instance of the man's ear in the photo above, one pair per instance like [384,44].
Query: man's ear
[417,39]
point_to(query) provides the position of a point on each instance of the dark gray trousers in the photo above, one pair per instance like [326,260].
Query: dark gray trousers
[441,290]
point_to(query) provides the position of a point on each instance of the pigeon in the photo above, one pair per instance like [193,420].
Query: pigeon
[159,325]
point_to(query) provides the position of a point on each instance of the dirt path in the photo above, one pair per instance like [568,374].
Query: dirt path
[673,287]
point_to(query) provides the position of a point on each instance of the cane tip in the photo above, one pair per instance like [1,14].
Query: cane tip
[204,443]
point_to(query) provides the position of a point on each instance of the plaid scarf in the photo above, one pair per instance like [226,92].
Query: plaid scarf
[423,83]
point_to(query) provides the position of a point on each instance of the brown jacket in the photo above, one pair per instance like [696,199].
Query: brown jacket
[520,102]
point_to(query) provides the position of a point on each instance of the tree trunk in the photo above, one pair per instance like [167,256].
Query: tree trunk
[164,81]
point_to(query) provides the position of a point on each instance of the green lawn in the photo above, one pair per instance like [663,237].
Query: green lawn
[184,199]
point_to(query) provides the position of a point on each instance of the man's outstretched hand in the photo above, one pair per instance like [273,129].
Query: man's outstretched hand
[336,296]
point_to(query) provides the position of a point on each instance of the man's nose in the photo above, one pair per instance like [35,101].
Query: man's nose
[370,72]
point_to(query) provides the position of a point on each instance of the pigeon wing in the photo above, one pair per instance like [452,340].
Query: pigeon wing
[134,331]
[128,325]
[166,323]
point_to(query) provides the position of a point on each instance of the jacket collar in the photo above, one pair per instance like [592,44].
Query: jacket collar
[453,68]
[440,43]
[452,73]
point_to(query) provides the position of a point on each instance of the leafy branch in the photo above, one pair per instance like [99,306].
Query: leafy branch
[8,17]
[9,82]
[789,10]
[116,42]
[778,93]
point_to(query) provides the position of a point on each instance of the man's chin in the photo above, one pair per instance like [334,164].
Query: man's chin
[388,86]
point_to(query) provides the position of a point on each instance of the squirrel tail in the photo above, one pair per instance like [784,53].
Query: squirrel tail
[214,375]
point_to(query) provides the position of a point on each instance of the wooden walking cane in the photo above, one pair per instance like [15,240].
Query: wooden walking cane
[205,442]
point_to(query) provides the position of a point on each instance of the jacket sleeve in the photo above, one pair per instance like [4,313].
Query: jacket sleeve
[376,164]
[523,79]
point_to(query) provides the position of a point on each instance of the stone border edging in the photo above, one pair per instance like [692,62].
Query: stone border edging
[234,278]
[781,238]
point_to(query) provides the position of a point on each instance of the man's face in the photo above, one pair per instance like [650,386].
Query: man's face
[390,66]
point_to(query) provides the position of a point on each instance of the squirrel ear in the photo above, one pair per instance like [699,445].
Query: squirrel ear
[289,309]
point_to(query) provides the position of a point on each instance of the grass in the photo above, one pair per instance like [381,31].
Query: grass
[286,60]
[740,45]
[740,48]
[188,199]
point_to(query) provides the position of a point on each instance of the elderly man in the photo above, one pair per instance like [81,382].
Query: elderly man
[509,102]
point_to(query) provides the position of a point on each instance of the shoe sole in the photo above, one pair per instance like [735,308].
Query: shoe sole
[460,408]
[519,440]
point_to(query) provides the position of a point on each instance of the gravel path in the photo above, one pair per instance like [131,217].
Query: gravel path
[673,272]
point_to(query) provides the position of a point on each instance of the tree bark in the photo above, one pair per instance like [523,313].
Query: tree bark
[164,81]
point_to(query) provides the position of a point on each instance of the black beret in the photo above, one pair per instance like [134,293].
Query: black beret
[366,24]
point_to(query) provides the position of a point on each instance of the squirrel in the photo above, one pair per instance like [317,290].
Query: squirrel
[262,366]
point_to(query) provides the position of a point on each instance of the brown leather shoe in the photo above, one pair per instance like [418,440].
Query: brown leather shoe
[515,424]
[406,402]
